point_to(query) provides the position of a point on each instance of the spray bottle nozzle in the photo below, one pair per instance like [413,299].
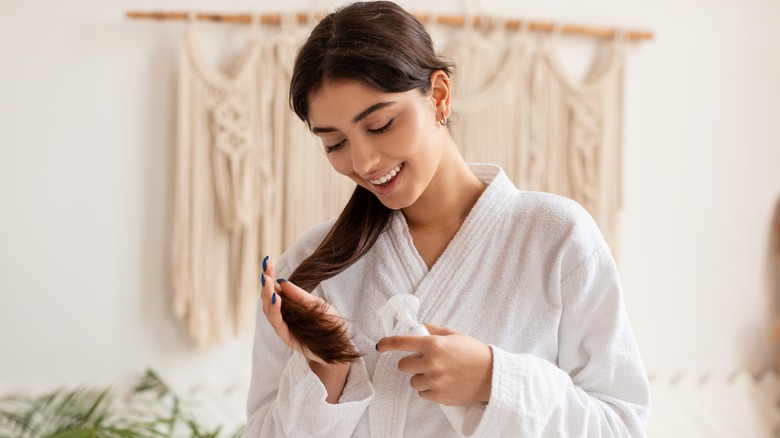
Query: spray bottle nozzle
[404,308]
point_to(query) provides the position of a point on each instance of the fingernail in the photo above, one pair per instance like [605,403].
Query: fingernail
[273,299]
[262,279]
[265,263]
[281,280]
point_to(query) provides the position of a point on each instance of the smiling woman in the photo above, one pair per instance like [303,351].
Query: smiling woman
[533,337]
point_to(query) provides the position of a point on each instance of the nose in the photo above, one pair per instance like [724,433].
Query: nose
[364,157]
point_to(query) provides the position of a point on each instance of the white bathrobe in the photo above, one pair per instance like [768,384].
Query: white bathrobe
[528,274]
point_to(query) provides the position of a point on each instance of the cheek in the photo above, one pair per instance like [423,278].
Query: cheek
[340,162]
[416,147]
[420,139]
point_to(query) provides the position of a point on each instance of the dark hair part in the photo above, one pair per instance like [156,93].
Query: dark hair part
[381,45]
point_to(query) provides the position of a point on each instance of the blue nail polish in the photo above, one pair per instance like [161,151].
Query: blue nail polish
[281,280]
[273,299]
[265,263]
[262,279]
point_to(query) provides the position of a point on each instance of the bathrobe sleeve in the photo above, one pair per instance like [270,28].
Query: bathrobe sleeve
[286,399]
[599,387]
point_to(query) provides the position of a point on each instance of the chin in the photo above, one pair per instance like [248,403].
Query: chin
[396,203]
[393,205]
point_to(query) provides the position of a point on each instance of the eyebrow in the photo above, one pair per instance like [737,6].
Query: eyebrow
[367,112]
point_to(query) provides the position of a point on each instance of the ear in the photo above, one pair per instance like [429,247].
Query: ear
[441,93]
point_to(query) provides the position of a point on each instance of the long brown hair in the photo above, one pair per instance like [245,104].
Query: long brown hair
[382,46]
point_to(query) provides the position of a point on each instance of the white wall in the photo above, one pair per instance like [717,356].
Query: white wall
[87,105]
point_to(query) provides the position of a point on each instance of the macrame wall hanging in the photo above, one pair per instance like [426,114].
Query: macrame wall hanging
[218,192]
[251,178]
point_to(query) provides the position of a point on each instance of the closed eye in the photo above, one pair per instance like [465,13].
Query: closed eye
[378,131]
[383,129]
[335,147]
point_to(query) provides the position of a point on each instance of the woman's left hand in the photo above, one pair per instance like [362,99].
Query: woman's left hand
[449,368]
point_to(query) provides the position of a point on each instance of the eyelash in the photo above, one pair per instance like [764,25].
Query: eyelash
[335,147]
[382,130]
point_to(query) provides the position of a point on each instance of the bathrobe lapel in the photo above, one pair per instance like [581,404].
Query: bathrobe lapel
[387,417]
[387,414]
[450,274]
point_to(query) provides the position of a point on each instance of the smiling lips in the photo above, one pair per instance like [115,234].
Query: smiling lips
[387,178]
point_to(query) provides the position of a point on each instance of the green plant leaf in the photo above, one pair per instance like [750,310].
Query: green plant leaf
[76,433]
[91,413]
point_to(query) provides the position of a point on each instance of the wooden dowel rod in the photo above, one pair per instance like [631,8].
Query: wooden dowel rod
[450,20]
[221,18]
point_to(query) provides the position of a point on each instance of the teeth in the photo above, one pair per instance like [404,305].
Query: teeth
[387,177]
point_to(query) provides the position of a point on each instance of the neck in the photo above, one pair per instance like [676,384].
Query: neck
[449,197]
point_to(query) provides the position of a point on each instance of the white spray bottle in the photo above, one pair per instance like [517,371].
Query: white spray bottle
[404,308]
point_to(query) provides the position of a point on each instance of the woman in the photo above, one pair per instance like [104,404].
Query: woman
[531,334]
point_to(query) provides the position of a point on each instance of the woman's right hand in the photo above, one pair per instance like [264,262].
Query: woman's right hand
[272,307]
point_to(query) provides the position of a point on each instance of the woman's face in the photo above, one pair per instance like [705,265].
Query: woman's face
[389,143]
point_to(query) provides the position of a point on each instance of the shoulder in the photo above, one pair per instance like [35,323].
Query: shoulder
[554,213]
[547,213]
[302,248]
[560,225]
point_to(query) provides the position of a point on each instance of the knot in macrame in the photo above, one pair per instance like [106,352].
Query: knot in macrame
[231,126]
